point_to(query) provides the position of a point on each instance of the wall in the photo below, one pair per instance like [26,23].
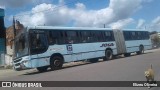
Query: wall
[2,37]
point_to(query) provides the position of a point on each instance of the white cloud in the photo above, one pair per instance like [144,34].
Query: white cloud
[148,1]
[155,24]
[14,3]
[117,14]
[121,23]
[2,6]
[141,23]
[156,21]
[20,3]
[124,8]
[80,6]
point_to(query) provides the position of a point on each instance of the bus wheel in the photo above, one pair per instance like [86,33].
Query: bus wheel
[42,69]
[127,54]
[56,62]
[141,50]
[108,55]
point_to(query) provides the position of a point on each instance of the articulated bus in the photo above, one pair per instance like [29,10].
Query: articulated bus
[42,47]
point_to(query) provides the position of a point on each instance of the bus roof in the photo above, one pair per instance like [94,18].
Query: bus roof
[78,28]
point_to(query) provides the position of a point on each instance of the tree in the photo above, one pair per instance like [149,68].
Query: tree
[156,40]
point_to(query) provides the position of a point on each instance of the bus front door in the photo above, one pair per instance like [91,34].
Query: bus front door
[39,46]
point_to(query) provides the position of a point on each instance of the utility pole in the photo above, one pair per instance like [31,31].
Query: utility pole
[14,32]
[14,28]
[104,26]
[145,27]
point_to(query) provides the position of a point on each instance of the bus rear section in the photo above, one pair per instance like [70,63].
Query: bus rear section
[131,41]
[137,41]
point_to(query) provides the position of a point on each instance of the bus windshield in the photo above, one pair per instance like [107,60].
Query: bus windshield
[21,45]
[38,43]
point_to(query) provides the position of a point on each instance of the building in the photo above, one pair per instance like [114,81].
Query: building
[2,37]
[10,42]
[2,31]
[158,35]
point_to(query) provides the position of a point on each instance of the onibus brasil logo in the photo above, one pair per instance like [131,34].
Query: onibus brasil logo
[20,84]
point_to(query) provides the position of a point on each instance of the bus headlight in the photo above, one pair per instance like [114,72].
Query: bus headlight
[23,64]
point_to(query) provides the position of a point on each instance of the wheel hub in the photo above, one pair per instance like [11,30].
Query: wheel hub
[108,54]
[57,62]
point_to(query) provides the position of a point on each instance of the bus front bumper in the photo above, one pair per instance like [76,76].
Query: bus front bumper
[22,64]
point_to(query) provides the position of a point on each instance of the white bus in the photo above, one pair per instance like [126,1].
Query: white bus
[47,46]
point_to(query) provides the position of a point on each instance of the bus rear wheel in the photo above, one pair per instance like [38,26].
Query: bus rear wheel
[108,55]
[141,50]
[56,62]
[42,69]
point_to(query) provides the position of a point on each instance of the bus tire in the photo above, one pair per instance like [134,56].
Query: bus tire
[141,50]
[127,54]
[42,69]
[56,62]
[108,55]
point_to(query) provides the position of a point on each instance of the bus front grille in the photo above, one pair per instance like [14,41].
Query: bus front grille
[17,60]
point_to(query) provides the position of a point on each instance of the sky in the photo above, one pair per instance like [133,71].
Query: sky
[116,14]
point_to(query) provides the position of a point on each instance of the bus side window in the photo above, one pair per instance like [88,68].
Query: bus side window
[128,35]
[112,36]
[87,37]
[98,36]
[146,35]
[142,35]
[71,37]
[133,35]
[61,37]
[91,36]
[55,37]
[50,39]
[138,34]
[78,35]
[108,36]
[84,36]
[125,35]
[103,36]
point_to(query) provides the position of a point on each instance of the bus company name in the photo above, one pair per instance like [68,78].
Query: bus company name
[107,44]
